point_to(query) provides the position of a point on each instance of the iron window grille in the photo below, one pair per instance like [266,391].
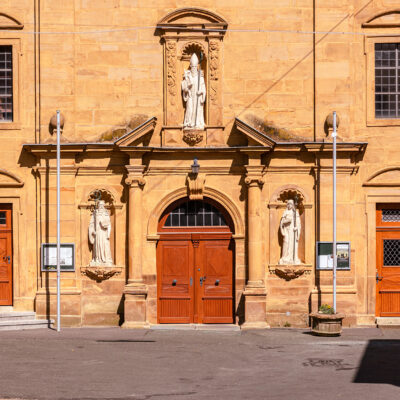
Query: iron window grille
[195,213]
[387,80]
[391,252]
[390,215]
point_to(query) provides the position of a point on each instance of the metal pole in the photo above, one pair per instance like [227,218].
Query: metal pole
[334,212]
[58,222]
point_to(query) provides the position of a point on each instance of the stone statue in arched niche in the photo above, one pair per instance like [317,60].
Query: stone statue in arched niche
[194,94]
[99,230]
[290,227]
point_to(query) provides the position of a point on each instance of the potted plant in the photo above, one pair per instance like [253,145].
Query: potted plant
[326,322]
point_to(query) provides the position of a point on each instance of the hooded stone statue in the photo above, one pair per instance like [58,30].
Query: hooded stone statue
[194,95]
[99,236]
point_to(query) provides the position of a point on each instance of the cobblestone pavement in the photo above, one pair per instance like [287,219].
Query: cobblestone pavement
[111,363]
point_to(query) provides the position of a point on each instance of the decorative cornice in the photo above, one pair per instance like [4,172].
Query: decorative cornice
[205,17]
[12,23]
[371,24]
[13,180]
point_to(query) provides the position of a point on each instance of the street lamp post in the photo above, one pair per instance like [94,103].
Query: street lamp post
[334,212]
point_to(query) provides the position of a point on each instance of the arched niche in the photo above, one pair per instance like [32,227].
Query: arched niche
[277,206]
[183,32]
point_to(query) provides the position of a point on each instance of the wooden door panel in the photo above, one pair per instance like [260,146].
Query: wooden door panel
[388,269]
[175,294]
[5,256]
[216,303]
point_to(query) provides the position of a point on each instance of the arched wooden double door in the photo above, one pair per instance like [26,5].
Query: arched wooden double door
[195,256]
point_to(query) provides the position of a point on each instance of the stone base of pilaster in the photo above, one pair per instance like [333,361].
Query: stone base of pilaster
[135,307]
[255,308]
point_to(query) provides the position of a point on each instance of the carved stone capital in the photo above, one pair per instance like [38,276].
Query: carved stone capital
[135,181]
[252,181]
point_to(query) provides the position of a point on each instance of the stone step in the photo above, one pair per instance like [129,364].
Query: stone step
[17,315]
[393,322]
[4,309]
[197,327]
[8,325]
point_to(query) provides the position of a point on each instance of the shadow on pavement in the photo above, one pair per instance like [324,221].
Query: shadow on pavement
[126,341]
[380,363]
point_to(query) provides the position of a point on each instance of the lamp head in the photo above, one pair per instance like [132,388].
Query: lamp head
[195,166]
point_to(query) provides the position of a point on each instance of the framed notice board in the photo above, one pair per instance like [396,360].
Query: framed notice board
[49,256]
[325,255]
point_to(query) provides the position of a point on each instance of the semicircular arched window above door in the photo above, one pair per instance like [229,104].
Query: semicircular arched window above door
[195,213]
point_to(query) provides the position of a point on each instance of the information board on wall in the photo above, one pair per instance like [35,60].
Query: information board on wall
[49,256]
[325,255]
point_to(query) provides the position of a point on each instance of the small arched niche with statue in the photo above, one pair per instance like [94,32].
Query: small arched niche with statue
[192,39]
[290,223]
[98,235]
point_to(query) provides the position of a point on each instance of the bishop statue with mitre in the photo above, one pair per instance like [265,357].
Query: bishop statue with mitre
[194,95]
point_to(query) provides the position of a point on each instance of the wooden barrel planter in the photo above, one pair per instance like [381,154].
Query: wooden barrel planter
[326,324]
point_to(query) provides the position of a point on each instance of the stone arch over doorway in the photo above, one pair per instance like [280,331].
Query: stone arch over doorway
[213,194]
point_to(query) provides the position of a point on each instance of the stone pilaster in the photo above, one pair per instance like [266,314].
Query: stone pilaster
[135,291]
[255,293]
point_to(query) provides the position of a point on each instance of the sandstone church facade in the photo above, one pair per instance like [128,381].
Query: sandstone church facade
[198,130]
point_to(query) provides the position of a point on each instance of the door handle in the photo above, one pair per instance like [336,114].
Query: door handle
[378,278]
[202,279]
[174,282]
[7,258]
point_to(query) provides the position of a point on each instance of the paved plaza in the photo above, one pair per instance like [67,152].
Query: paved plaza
[111,363]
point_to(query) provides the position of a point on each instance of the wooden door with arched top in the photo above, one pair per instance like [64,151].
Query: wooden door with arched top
[195,271]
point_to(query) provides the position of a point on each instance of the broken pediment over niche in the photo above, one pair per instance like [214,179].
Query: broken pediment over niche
[8,179]
[140,136]
[8,22]
[385,177]
[244,134]
[387,19]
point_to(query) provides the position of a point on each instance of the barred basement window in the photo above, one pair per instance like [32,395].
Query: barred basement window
[6,84]
[387,80]
[195,213]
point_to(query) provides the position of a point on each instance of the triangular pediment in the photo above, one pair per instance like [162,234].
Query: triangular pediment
[387,19]
[140,136]
[8,179]
[8,22]
[253,136]
[385,177]
[192,16]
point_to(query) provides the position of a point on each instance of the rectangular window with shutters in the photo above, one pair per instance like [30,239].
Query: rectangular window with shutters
[6,84]
[387,80]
